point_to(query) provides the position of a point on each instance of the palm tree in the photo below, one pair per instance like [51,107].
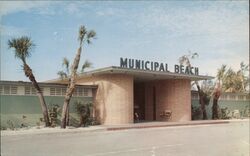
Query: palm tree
[216,96]
[244,80]
[233,81]
[230,81]
[217,90]
[64,74]
[23,46]
[221,73]
[203,97]
[84,36]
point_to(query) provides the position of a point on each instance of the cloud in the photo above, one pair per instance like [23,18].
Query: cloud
[108,12]
[213,27]
[214,21]
[57,36]
[11,31]
[8,7]
[73,8]
[55,33]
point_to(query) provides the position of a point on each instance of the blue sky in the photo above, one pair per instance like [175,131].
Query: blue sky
[159,31]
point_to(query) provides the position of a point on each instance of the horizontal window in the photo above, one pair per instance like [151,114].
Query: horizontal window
[241,97]
[86,92]
[6,89]
[13,89]
[58,91]
[52,91]
[233,97]
[33,91]
[27,91]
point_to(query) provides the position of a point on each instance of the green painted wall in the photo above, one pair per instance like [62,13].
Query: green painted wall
[231,105]
[14,107]
[14,104]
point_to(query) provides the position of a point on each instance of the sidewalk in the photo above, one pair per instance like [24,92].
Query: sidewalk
[49,130]
[99,128]
[170,124]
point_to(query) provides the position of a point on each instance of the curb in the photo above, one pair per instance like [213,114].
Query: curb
[168,125]
[52,132]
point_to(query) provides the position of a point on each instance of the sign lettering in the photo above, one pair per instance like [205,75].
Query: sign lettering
[156,66]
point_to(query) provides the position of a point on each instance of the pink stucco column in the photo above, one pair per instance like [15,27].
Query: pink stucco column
[173,95]
[113,101]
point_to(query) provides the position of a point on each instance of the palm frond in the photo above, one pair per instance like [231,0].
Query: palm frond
[194,55]
[65,63]
[184,60]
[62,75]
[82,33]
[90,35]
[87,64]
[221,72]
[22,46]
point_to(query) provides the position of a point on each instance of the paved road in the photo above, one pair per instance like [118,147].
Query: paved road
[205,140]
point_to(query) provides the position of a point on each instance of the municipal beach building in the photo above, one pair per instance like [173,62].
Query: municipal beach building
[136,90]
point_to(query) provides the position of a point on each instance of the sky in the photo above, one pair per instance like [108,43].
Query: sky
[160,31]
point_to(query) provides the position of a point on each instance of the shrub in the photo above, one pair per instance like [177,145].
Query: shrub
[11,125]
[53,114]
[225,113]
[84,112]
[3,128]
[196,113]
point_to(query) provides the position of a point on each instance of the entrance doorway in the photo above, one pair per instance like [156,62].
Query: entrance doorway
[139,102]
[154,104]
[145,102]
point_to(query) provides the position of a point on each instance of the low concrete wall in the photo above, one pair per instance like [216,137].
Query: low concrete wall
[26,110]
[231,105]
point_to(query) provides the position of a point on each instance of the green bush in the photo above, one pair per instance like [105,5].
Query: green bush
[11,125]
[84,112]
[196,113]
[54,110]
[225,113]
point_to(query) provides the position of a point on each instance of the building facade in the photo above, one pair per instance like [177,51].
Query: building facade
[118,98]
[124,94]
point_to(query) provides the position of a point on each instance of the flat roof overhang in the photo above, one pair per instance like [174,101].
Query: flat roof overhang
[144,75]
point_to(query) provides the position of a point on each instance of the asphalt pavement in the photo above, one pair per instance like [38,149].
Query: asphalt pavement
[225,139]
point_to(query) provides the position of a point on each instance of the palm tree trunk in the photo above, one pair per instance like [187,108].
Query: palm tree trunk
[44,108]
[29,74]
[70,87]
[81,120]
[216,96]
[202,103]
[215,109]
[64,110]
[67,117]
[204,112]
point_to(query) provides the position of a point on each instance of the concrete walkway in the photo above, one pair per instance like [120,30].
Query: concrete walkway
[169,124]
[97,128]
[49,130]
